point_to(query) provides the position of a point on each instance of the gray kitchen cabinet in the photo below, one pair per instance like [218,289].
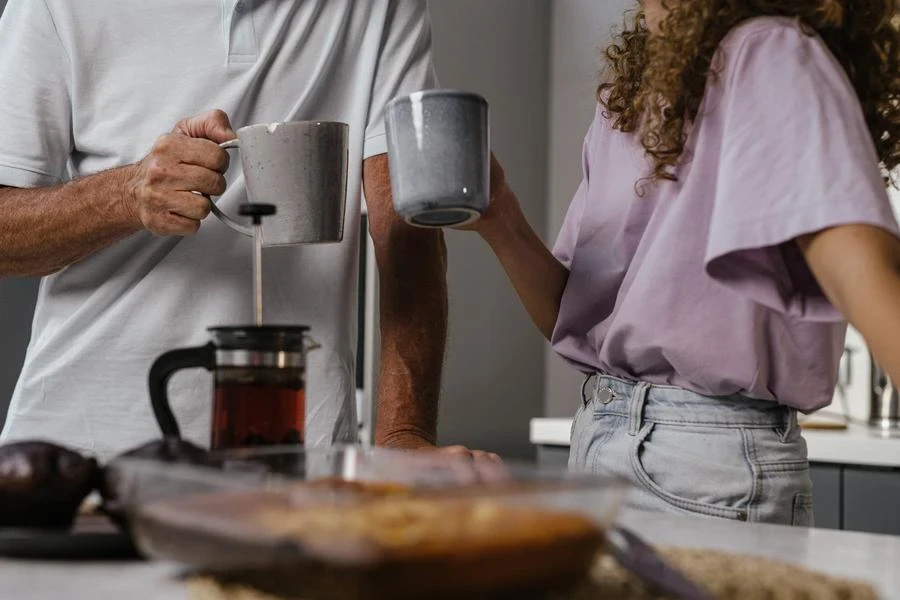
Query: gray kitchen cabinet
[553,456]
[872,500]
[826,481]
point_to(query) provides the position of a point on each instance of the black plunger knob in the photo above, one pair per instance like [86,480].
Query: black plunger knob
[257,211]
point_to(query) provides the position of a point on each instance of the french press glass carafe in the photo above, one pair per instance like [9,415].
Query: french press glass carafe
[260,379]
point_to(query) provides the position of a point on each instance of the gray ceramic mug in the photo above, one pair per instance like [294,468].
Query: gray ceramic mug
[439,154]
[300,167]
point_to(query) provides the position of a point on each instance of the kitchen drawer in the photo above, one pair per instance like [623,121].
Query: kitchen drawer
[872,500]
[826,481]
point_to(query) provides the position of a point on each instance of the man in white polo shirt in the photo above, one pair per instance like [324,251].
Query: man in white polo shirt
[99,204]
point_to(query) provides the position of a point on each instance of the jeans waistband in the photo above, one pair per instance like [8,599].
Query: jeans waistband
[669,404]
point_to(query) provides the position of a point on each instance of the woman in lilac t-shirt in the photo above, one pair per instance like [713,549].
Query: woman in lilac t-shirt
[733,208]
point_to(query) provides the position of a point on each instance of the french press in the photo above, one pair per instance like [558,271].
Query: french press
[260,373]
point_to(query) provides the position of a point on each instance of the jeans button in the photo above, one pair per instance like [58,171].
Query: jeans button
[605,396]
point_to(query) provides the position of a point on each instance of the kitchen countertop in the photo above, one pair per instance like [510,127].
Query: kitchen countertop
[855,445]
[866,557]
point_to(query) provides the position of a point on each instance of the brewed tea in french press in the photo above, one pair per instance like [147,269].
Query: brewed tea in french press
[260,373]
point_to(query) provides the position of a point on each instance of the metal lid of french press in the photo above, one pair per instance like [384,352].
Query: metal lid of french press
[267,346]
[262,338]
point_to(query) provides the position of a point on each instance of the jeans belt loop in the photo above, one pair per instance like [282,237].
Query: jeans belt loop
[790,423]
[636,412]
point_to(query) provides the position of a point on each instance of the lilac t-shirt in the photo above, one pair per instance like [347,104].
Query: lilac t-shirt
[697,283]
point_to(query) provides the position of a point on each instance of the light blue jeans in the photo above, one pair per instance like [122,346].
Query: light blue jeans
[731,457]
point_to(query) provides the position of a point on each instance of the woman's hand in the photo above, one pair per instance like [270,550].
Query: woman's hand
[504,205]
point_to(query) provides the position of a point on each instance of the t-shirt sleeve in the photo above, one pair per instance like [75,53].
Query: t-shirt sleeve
[797,158]
[567,239]
[35,105]
[405,65]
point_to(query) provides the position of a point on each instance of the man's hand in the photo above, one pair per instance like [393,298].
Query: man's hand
[477,456]
[412,442]
[169,189]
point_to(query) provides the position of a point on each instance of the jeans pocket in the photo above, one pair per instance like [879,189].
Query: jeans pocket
[699,470]
[802,513]
[783,471]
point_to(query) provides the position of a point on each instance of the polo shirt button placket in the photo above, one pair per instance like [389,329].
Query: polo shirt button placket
[243,45]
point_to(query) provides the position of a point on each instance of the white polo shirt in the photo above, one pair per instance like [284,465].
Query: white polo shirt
[89,85]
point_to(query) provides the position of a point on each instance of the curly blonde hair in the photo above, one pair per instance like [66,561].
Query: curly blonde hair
[656,82]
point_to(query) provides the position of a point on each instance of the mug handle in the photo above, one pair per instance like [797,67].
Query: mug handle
[234,144]
[162,370]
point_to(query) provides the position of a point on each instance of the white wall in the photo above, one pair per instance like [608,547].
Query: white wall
[494,372]
[507,49]
[580,29]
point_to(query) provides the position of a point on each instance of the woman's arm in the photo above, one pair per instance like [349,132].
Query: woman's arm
[538,277]
[858,268]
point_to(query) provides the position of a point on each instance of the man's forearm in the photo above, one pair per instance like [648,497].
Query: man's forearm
[413,332]
[412,269]
[45,229]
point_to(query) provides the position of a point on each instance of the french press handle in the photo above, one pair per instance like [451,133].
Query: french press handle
[162,370]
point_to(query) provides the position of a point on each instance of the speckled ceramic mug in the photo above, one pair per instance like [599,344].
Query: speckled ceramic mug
[439,153]
[300,167]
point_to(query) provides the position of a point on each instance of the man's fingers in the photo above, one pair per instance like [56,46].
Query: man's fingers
[195,207]
[191,178]
[213,125]
[191,151]
[173,224]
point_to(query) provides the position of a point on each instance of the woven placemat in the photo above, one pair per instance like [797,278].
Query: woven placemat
[726,576]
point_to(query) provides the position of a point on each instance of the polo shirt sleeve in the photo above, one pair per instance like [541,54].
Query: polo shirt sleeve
[405,65]
[35,104]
